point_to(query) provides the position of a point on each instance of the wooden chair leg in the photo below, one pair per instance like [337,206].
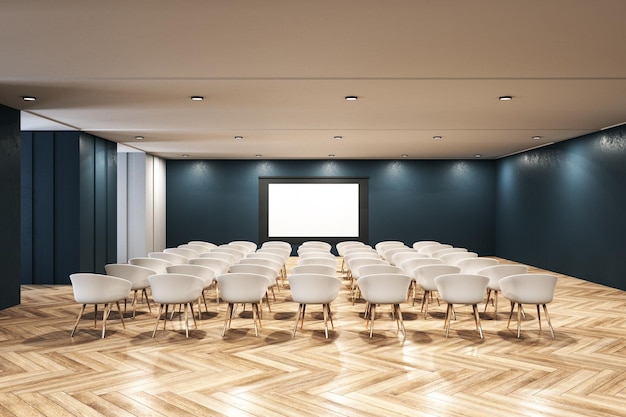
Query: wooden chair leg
[477,320]
[229,313]
[372,318]
[105,316]
[519,320]
[80,314]
[545,310]
[295,327]
[156,325]
[325,320]
[400,319]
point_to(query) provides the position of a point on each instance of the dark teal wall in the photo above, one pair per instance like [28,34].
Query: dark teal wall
[563,207]
[68,205]
[9,207]
[449,201]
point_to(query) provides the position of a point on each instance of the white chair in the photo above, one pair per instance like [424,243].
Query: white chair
[354,264]
[439,253]
[537,289]
[314,289]
[206,245]
[495,273]
[389,251]
[317,243]
[425,277]
[315,254]
[138,277]
[409,266]
[159,266]
[175,289]
[187,253]
[218,265]
[266,271]
[384,289]
[270,263]
[468,289]
[203,272]
[172,258]
[473,265]
[196,248]
[231,259]
[276,243]
[242,288]
[399,257]
[313,269]
[454,257]
[429,250]
[418,245]
[229,249]
[250,246]
[318,261]
[386,244]
[99,289]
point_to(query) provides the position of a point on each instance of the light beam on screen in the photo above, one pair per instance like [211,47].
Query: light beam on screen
[313,210]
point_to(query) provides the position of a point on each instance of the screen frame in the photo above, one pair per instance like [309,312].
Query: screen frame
[264,183]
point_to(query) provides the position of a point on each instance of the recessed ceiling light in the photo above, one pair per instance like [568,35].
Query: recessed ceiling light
[29,98]
[477,155]
[185,156]
[197,98]
[138,137]
[258,155]
[238,137]
[536,137]
[351,98]
[405,155]
[331,155]
[337,137]
[437,137]
[505,98]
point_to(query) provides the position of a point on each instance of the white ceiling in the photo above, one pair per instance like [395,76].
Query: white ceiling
[276,73]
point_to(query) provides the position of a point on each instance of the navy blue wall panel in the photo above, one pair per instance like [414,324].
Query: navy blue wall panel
[68,199]
[10,207]
[562,207]
[451,201]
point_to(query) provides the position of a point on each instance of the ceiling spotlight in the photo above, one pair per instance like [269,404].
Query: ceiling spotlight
[185,156]
[29,98]
[337,137]
[138,137]
[505,98]
[238,137]
[437,137]
[331,155]
[536,137]
[258,155]
[351,98]
[477,155]
[197,98]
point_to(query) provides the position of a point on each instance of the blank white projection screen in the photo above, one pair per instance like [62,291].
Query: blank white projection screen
[313,210]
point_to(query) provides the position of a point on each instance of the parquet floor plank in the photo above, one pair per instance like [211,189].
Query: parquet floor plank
[582,372]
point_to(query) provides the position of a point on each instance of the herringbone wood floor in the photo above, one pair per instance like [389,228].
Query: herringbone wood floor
[580,373]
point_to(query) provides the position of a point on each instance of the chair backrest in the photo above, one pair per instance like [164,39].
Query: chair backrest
[175,288]
[317,244]
[270,263]
[283,252]
[462,288]
[473,265]
[314,288]
[207,245]
[454,257]
[387,244]
[399,257]
[379,269]
[246,249]
[388,252]
[204,272]
[346,244]
[219,266]
[529,288]
[137,275]
[157,265]
[313,269]
[173,258]
[356,263]
[231,259]
[315,254]
[266,271]
[196,248]
[252,247]
[409,265]
[98,288]
[425,275]
[496,272]
[384,288]
[267,255]
[187,253]
[236,253]
[417,245]
[240,287]
[318,261]
[439,253]
[429,250]
[276,243]
[359,249]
